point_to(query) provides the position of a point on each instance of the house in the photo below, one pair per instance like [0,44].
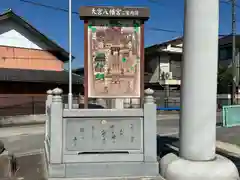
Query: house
[79,71]
[30,64]
[163,63]
[165,59]
[225,50]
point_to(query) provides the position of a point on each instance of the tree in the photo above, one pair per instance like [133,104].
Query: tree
[224,79]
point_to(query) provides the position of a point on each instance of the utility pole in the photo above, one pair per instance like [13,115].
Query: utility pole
[70,55]
[234,68]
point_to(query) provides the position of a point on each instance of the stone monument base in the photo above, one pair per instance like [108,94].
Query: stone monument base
[104,171]
[107,178]
[175,168]
[101,171]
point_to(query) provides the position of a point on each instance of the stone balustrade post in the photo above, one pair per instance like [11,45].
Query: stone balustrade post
[56,127]
[47,109]
[135,103]
[119,103]
[150,127]
[127,103]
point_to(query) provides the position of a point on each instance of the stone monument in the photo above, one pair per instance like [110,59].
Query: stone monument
[106,143]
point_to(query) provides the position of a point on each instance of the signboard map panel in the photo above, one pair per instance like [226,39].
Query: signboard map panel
[114,58]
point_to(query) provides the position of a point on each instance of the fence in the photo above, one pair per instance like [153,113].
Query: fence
[173,100]
[231,116]
[18,104]
[12,105]
[167,100]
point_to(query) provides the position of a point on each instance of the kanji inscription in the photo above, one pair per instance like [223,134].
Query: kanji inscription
[113,12]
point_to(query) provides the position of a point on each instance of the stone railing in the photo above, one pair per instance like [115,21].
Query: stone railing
[97,143]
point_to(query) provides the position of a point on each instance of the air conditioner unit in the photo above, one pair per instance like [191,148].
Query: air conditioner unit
[166,76]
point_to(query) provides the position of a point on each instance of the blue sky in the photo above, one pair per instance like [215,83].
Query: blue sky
[165,14]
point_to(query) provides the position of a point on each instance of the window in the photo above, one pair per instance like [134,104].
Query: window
[225,53]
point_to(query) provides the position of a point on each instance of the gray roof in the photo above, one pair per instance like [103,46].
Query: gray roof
[179,40]
[41,76]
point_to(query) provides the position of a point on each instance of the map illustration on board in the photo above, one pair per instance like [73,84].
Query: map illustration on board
[114,58]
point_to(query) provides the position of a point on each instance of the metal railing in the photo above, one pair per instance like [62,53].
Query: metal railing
[13,105]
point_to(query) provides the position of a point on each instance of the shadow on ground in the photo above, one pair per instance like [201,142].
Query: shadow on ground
[168,144]
[31,167]
[165,145]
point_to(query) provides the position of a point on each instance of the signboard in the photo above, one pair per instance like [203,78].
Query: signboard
[114,58]
[111,12]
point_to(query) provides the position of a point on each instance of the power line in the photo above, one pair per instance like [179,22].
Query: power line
[163,30]
[76,13]
[224,2]
[156,1]
[229,2]
[48,6]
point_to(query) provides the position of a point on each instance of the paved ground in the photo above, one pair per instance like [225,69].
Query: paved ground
[29,139]
[26,142]
[230,135]
[170,127]
[23,140]
[31,168]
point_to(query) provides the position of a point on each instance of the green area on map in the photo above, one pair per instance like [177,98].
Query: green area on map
[99,65]
[124,59]
[136,25]
[99,76]
[100,55]
[94,29]
[136,29]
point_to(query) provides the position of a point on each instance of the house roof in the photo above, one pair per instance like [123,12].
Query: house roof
[152,49]
[57,50]
[173,42]
[79,71]
[165,43]
[227,40]
[41,76]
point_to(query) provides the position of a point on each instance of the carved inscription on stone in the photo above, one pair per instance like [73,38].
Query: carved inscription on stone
[103,135]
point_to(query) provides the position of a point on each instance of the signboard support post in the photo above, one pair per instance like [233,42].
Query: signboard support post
[85,64]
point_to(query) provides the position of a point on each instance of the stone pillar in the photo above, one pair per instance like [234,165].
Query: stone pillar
[127,103]
[150,127]
[135,103]
[48,104]
[56,140]
[119,103]
[198,100]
